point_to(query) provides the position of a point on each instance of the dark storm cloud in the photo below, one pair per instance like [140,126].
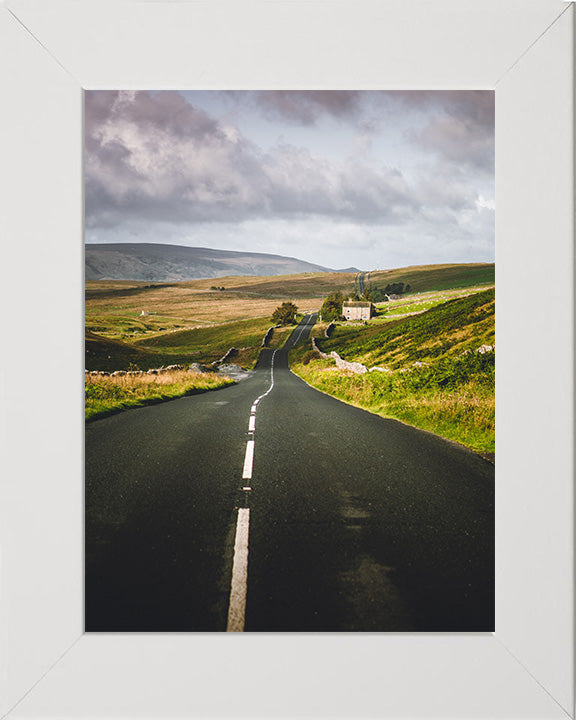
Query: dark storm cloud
[306,106]
[153,156]
[478,105]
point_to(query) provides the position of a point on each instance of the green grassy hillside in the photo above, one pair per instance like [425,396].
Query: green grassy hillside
[152,324]
[202,345]
[209,344]
[447,329]
[423,278]
[431,373]
[103,353]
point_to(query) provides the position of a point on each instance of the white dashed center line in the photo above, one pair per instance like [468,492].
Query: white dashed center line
[239,584]
[237,607]
[248,461]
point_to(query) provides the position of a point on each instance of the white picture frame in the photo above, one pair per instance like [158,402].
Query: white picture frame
[51,51]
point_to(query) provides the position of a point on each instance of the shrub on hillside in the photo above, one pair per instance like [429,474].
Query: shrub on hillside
[309,355]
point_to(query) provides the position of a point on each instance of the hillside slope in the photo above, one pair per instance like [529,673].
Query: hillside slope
[447,330]
[435,370]
[102,353]
[423,278]
[166,263]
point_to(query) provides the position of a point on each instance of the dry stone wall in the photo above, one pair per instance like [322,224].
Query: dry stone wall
[360,369]
[268,335]
[152,371]
[341,364]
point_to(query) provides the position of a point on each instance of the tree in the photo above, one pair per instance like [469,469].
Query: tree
[332,306]
[378,295]
[396,288]
[285,314]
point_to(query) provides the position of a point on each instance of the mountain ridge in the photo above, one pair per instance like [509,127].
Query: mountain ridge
[164,263]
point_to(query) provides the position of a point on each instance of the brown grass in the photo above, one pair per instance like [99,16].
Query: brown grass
[178,305]
[110,393]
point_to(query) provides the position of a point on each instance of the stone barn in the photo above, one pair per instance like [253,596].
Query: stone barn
[357,310]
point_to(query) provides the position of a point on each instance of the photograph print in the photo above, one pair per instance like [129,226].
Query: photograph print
[289,361]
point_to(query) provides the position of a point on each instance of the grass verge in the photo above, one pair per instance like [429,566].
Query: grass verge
[280,335]
[454,402]
[105,395]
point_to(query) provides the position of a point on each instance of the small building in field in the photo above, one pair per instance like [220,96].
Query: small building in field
[357,310]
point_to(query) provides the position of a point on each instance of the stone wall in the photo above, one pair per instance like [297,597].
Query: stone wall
[341,364]
[360,369]
[268,335]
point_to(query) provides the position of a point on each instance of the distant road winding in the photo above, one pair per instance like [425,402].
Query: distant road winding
[269,506]
[360,282]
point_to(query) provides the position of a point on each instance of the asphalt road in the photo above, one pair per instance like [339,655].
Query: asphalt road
[355,523]
[360,281]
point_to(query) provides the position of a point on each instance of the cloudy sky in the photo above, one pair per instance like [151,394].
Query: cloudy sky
[370,179]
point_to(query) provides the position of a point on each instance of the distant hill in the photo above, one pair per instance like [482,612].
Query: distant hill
[171,263]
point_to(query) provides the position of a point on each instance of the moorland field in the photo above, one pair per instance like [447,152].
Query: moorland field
[425,342]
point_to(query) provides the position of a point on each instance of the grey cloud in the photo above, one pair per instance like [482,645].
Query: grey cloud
[475,104]
[303,107]
[152,156]
[440,186]
[458,141]
[301,183]
[167,109]
[461,127]
[307,106]
[155,156]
